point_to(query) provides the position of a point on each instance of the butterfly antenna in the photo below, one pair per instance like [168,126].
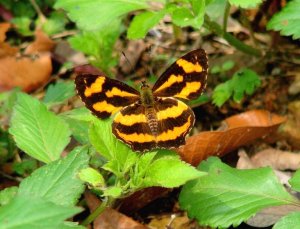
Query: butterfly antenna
[127,60]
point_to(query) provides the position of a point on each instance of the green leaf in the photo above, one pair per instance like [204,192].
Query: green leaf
[120,157]
[169,172]
[292,220]
[57,182]
[59,92]
[245,3]
[182,16]
[25,166]
[143,22]
[287,20]
[228,196]
[23,25]
[295,181]
[114,192]
[55,23]
[94,14]
[215,9]
[32,213]
[99,45]
[91,176]
[37,131]
[6,195]
[244,81]
[80,114]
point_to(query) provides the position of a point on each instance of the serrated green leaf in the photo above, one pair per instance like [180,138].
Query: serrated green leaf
[245,3]
[185,17]
[57,182]
[94,14]
[91,176]
[59,92]
[6,195]
[287,20]
[292,220]
[32,213]
[228,196]
[143,22]
[37,131]
[243,81]
[169,172]
[295,181]
[81,114]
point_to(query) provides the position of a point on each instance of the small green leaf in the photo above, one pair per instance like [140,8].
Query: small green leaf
[244,81]
[23,25]
[25,166]
[287,20]
[37,131]
[291,220]
[185,17]
[59,92]
[33,213]
[295,181]
[6,195]
[169,172]
[95,14]
[143,22]
[92,176]
[57,182]
[245,3]
[114,192]
[55,23]
[81,114]
[228,196]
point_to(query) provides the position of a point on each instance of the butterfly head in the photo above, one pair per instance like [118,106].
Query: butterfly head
[144,85]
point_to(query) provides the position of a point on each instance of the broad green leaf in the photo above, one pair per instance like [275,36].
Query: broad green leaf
[292,220]
[245,3]
[120,157]
[215,9]
[79,129]
[6,195]
[59,92]
[182,16]
[57,182]
[295,181]
[55,23]
[94,14]
[287,20]
[91,176]
[99,45]
[228,196]
[37,131]
[34,213]
[243,81]
[143,22]
[80,114]
[114,192]
[169,172]
[22,25]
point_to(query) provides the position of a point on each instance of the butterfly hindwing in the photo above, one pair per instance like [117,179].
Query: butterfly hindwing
[131,127]
[175,120]
[104,96]
[186,78]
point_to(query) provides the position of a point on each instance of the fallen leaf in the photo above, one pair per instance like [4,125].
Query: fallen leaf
[5,48]
[41,43]
[238,130]
[110,218]
[24,72]
[277,159]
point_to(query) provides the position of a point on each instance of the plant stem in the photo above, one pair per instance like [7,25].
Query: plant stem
[106,203]
[38,11]
[216,28]
[225,18]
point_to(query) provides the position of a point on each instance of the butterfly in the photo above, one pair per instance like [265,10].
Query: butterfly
[152,117]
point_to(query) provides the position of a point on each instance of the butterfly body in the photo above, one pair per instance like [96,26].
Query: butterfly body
[152,118]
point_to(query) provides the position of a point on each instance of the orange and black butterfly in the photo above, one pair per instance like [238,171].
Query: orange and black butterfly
[149,118]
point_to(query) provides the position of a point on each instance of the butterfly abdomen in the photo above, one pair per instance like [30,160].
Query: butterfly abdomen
[152,120]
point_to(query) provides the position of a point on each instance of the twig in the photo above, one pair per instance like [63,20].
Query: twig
[38,11]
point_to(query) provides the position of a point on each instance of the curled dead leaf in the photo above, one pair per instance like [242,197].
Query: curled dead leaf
[41,43]
[5,48]
[239,130]
[25,72]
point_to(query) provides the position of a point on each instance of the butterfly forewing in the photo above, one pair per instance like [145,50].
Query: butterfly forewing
[186,78]
[104,96]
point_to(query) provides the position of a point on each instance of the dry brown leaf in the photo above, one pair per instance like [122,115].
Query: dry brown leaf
[110,218]
[5,48]
[271,215]
[42,43]
[24,72]
[240,130]
[3,29]
[277,159]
